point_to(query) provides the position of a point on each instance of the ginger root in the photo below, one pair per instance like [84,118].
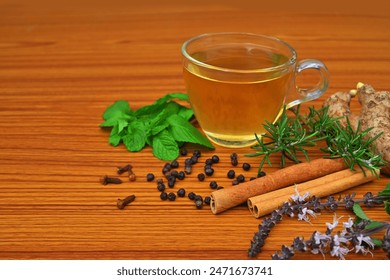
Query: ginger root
[375,114]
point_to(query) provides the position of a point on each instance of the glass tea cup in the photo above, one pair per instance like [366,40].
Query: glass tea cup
[238,81]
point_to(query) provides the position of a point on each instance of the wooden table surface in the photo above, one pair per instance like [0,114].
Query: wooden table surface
[62,65]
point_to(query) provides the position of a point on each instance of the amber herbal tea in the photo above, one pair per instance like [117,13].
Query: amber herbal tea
[234,109]
[238,81]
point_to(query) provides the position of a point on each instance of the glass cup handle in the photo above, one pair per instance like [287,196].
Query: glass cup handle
[316,91]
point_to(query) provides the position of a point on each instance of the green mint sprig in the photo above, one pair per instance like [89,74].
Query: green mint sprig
[164,125]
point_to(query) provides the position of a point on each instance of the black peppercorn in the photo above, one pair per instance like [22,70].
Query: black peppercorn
[194,159]
[198,204]
[183,152]
[201,177]
[235,182]
[161,186]
[207,200]
[175,173]
[246,166]
[207,166]
[241,178]
[198,197]
[209,171]
[213,185]
[191,195]
[231,174]
[171,196]
[181,192]
[188,166]
[150,177]
[209,161]
[197,153]
[215,158]
[171,181]
[261,174]
[181,175]
[234,159]
[175,164]
[164,196]
[167,168]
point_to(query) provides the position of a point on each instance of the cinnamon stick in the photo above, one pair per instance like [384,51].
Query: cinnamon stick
[227,198]
[324,186]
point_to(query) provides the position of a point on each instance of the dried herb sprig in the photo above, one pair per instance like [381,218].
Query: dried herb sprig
[304,206]
[287,136]
[354,147]
[291,135]
[355,236]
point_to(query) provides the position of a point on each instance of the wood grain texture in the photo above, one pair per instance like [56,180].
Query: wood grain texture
[62,65]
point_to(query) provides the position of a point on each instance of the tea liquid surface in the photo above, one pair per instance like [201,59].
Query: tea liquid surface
[229,109]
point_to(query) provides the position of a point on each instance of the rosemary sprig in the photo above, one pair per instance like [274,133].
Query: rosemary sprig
[287,136]
[354,147]
[290,136]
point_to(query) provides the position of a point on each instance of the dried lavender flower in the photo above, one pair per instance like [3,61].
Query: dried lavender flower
[355,235]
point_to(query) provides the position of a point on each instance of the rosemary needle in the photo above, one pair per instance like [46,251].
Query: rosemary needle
[290,136]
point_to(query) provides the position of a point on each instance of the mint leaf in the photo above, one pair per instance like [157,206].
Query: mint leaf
[135,139]
[160,103]
[186,113]
[183,131]
[164,146]
[115,138]
[164,125]
[119,109]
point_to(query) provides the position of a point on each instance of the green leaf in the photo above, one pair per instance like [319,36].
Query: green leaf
[121,125]
[183,131]
[373,225]
[386,190]
[165,146]
[109,122]
[115,138]
[149,125]
[135,139]
[159,118]
[119,108]
[387,207]
[377,242]
[158,128]
[359,212]
[186,113]
[160,103]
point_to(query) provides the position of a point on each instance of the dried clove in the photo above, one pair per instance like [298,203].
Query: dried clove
[122,203]
[124,169]
[105,180]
